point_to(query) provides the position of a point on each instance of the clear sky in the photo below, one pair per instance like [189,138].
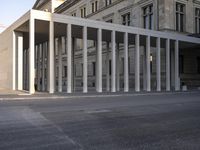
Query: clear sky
[11,10]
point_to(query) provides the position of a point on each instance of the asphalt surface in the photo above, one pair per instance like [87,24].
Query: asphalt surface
[128,122]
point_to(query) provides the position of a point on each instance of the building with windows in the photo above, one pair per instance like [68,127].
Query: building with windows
[104,46]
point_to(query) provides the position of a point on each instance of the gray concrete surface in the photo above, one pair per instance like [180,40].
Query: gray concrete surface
[134,122]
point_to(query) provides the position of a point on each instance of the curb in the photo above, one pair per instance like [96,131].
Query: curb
[52,97]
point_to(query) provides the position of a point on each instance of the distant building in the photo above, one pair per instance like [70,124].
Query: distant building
[103,45]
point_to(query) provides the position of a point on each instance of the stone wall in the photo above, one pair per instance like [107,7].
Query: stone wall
[6,59]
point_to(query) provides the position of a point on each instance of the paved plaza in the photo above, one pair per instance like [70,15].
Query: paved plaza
[159,121]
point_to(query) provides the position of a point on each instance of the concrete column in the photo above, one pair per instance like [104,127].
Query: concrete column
[126,69]
[113,74]
[20,60]
[69,58]
[60,49]
[158,66]
[148,48]
[43,66]
[177,79]
[117,68]
[137,63]
[51,58]
[14,61]
[168,65]
[85,69]
[32,55]
[99,55]
[107,68]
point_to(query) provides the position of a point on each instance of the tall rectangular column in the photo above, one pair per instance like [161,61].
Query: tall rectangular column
[158,66]
[85,69]
[107,67]
[20,60]
[32,55]
[60,49]
[126,69]
[99,54]
[177,79]
[113,73]
[117,68]
[69,58]
[148,48]
[51,58]
[168,65]
[14,61]
[137,62]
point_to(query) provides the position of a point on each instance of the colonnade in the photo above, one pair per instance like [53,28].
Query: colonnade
[47,62]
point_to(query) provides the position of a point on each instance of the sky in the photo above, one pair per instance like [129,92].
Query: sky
[11,10]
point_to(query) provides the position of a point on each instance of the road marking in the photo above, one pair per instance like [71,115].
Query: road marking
[97,111]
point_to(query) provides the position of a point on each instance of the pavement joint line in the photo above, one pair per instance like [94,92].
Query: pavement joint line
[92,96]
[23,94]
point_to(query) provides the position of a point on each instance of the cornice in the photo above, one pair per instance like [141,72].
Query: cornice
[66,5]
[196,2]
[38,7]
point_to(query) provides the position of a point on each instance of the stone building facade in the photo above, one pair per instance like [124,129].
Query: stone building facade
[174,16]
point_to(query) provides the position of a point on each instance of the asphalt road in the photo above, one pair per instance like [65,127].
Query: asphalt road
[157,122]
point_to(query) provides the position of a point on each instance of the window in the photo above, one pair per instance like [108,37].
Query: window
[65,71]
[45,73]
[108,2]
[129,65]
[94,6]
[83,12]
[181,64]
[94,68]
[110,21]
[126,19]
[180,17]
[198,65]
[148,17]
[81,70]
[122,66]
[151,63]
[110,67]
[57,70]
[74,14]
[197,20]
